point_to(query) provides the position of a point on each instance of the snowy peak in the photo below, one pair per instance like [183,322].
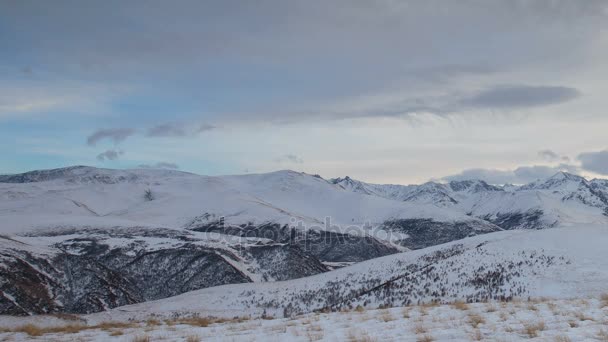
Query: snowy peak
[562,198]
[561,180]
[350,184]
[432,193]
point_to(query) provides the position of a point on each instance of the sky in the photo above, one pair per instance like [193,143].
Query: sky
[383,91]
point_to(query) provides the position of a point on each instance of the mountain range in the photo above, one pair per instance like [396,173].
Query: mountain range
[83,240]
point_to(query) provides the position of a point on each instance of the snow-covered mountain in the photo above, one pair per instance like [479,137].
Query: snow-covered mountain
[82,239]
[561,199]
[124,231]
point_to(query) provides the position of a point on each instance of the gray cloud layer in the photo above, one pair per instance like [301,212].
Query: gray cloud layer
[595,161]
[117,135]
[519,96]
[356,47]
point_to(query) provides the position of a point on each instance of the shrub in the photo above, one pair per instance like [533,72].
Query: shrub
[148,195]
[461,305]
[193,338]
[532,329]
[475,320]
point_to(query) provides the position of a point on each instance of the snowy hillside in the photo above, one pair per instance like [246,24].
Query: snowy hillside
[558,263]
[99,195]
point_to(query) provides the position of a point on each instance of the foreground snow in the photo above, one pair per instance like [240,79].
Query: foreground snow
[539,320]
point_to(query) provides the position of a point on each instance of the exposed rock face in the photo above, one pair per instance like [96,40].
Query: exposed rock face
[93,270]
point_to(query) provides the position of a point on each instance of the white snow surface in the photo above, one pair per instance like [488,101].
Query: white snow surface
[107,198]
[539,320]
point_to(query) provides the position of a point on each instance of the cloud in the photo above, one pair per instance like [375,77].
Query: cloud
[117,135]
[595,161]
[519,96]
[166,130]
[173,129]
[551,156]
[160,165]
[290,158]
[548,155]
[205,127]
[109,155]
[520,175]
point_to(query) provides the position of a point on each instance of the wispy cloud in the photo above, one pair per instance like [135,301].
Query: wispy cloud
[290,158]
[173,129]
[116,135]
[521,96]
[109,155]
[552,156]
[166,130]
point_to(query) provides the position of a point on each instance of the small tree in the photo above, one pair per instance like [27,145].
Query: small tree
[148,195]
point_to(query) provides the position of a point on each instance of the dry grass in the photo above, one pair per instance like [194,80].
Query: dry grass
[152,322]
[386,316]
[420,329]
[113,325]
[532,329]
[477,335]
[193,338]
[475,320]
[604,300]
[314,333]
[142,338]
[359,336]
[30,329]
[196,321]
[602,335]
[359,308]
[562,338]
[116,333]
[425,338]
[33,330]
[406,312]
[461,305]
